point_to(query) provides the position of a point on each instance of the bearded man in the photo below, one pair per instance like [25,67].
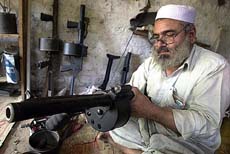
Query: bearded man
[181,92]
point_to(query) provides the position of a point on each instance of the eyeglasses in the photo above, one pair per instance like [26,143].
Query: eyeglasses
[167,37]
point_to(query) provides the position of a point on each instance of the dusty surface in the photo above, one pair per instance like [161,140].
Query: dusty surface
[81,142]
[16,141]
[4,125]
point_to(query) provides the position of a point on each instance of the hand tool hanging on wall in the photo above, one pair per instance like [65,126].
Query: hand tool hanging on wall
[103,111]
[108,70]
[8,20]
[76,51]
[51,45]
[123,53]
[125,69]
[143,21]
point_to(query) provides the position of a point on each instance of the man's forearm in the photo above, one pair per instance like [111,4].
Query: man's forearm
[142,107]
[162,115]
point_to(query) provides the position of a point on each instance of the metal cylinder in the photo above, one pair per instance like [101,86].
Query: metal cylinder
[49,44]
[8,23]
[72,49]
[44,141]
[38,107]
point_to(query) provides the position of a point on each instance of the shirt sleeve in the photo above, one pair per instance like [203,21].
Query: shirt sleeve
[207,104]
[139,77]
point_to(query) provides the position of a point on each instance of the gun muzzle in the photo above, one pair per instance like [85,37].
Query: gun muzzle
[39,107]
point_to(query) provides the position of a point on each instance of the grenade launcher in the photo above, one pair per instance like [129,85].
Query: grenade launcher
[104,111]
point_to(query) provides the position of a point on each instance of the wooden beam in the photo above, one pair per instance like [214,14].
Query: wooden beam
[22,31]
[9,36]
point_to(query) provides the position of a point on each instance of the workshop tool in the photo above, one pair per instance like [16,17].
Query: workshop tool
[35,125]
[76,51]
[104,111]
[75,66]
[44,141]
[125,69]
[122,55]
[143,22]
[51,45]
[108,70]
[7,20]
[41,140]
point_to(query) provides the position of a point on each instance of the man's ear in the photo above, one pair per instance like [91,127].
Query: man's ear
[192,34]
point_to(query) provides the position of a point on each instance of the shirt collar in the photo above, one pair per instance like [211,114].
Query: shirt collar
[190,61]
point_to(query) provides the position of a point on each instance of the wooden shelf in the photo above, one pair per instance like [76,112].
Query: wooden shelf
[21,38]
[2,79]
[9,36]
[11,99]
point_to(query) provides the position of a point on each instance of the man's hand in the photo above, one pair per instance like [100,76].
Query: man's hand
[142,107]
[140,104]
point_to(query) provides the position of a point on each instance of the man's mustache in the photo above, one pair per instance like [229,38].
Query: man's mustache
[165,49]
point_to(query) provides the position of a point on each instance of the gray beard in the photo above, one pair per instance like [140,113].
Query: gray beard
[176,58]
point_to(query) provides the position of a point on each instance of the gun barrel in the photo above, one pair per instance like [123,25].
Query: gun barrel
[39,107]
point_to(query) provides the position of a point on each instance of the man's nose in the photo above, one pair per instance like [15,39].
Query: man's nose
[160,43]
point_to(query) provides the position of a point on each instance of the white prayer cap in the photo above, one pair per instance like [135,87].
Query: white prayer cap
[178,12]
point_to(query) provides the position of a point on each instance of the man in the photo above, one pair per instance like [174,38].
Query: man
[181,92]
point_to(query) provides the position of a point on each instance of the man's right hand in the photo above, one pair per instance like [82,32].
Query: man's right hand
[140,104]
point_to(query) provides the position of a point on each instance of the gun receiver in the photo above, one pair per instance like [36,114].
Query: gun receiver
[103,111]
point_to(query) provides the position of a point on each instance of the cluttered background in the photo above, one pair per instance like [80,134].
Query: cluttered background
[111,39]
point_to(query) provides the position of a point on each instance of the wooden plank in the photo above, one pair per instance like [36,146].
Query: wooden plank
[9,36]
[28,52]
[2,79]
[22,29]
